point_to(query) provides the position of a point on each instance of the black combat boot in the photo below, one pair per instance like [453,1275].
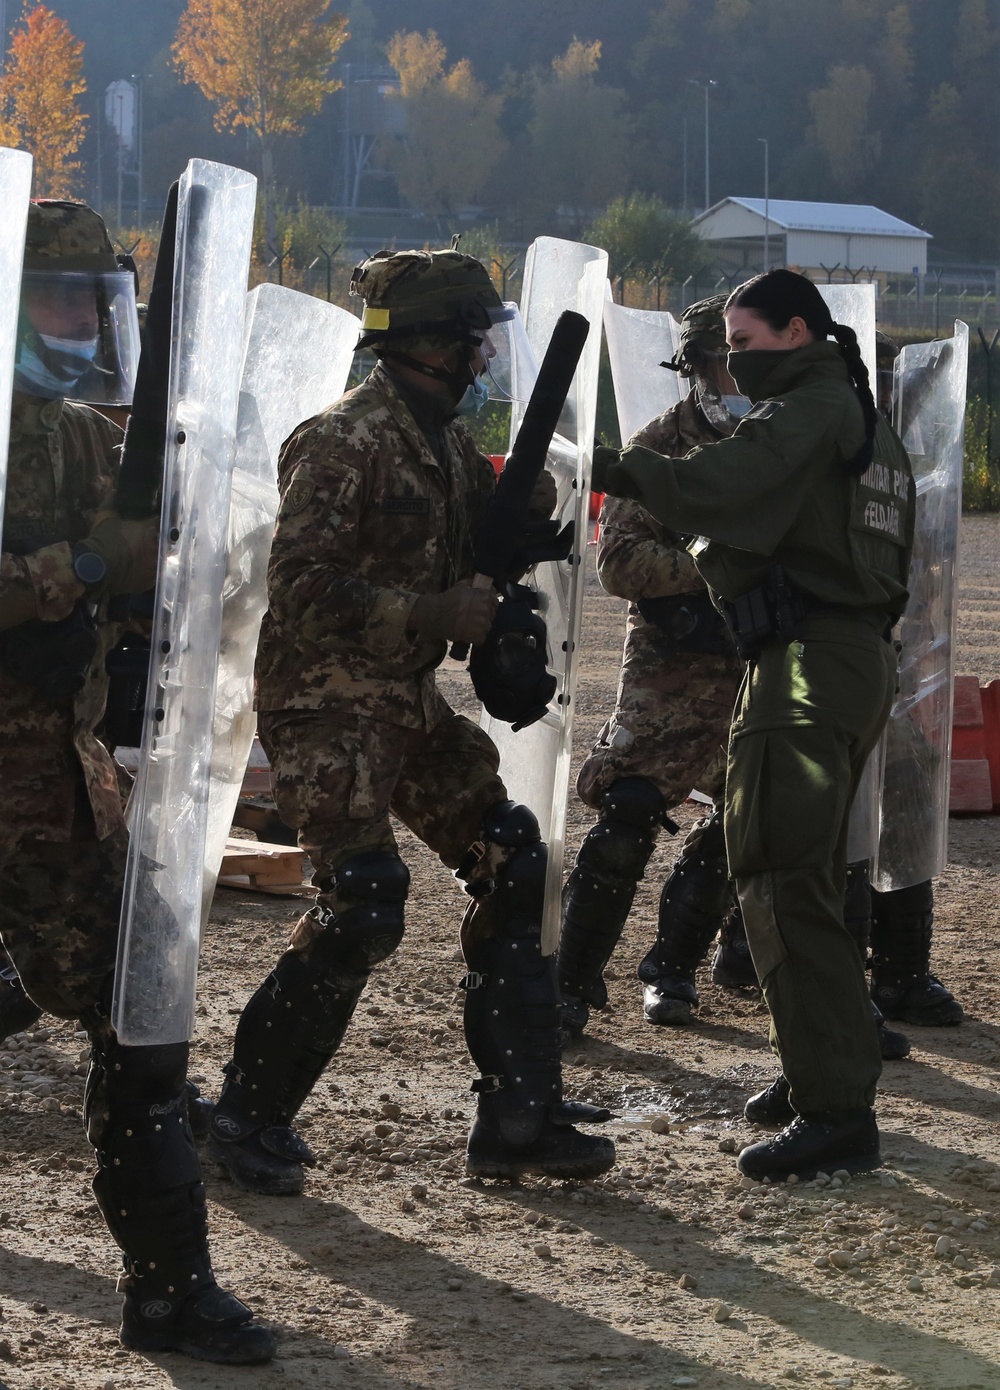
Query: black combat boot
[732,964]
[811,1144]
[771,1107]
[511,1018]
[148,1186]
[296,1020]
[17,1011]
[902,985]
[693,904]
[599,892]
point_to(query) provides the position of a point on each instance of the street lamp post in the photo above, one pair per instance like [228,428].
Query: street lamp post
[767,203]
[705,86]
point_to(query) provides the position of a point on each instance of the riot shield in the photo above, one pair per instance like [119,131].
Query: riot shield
[534,762]
[15,191]
[638,341]
[930,386]
[164,881]
[297,354]
[855,306]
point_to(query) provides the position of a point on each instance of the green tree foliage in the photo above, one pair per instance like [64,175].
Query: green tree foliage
[642,235]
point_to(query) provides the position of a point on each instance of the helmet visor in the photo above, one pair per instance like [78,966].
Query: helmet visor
[78,336]
[511,368]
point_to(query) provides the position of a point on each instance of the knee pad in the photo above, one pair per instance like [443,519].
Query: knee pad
[354,940]
[508,861]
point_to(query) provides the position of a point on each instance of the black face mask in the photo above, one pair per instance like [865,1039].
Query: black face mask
[751,368]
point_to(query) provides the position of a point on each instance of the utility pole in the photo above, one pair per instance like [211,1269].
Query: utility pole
[705,85]
[767,203]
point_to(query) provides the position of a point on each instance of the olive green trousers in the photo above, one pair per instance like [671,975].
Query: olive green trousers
[808,715]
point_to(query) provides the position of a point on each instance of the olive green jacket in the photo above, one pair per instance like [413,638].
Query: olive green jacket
[779,491]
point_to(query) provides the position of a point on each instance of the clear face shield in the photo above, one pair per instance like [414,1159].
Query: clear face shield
[78,336]
[511,369]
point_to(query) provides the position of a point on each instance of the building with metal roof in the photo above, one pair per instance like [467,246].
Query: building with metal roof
[841,241]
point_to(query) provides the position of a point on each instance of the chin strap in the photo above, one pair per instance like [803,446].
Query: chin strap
[458,381]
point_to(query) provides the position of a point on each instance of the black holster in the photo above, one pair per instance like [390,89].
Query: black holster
[771,610]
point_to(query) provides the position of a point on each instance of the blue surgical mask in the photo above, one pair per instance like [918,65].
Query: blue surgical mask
[474,398]
[736,405]
[72,355]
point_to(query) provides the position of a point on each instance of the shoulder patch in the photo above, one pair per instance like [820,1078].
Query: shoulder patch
[763,410]
[298,497]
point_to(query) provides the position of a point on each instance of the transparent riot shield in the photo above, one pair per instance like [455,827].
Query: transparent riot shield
[638,341]
[164,882]
[855,306]
[534,763]
[296,358]
[930,385]
[15,191]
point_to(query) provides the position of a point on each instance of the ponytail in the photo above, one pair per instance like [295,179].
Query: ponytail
[848,342]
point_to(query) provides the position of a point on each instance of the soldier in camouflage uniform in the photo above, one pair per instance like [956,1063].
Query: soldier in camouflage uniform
[678,684]
[66,555]
[369,579]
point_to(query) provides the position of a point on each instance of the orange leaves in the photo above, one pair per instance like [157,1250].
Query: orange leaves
[265,64]
[38,99]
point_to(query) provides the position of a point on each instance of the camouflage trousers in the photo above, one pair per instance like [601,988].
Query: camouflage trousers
[59,911]
[670,726]
[336,779]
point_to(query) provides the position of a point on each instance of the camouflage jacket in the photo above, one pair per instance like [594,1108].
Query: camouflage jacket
[637,556]
[368,520]
[61,468]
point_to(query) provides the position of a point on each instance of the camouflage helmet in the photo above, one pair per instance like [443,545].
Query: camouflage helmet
[66,236]
[437,294]
[703,330]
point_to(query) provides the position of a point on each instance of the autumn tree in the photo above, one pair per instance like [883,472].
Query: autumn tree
[579,134]
[452,140]
[265,65]
[39,100]
[842,125]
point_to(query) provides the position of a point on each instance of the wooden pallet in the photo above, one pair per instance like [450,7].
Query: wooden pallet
[263,868]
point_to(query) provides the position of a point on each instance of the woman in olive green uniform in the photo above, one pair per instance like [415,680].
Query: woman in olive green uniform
[806,515]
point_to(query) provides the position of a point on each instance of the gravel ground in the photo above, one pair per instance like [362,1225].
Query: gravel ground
[395,1271]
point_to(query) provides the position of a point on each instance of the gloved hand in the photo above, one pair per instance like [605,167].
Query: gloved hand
[542,501]
[460,614]
[129,549]
[605,459]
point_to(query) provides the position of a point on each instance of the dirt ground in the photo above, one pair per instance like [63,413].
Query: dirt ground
[394,1271]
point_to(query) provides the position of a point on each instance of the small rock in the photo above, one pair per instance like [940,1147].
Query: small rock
[350,1302]
[453,1285]
[660,1125]
[383,1130]
[543,1251]
[944,1247]
[598,1240]
[378,1040]
[391,1110]
[915,1285]
[862,1254]
[887,1180]
[821,1262]
[407,1205]
[419,1189]
[683,1380]
[727,1145]
[722,1312]
[841,1259]
[960,1262]
[746,1212]
[993,1278]
[687,1281]
[321,1252]
[842,1174]
[792,1179]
